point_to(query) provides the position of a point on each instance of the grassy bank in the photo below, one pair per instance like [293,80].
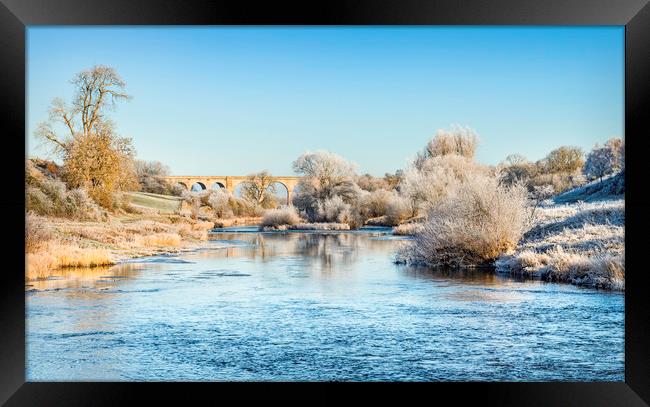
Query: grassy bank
[577,243]
[160,203]
[58,243]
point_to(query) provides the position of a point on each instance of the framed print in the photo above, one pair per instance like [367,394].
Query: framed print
[440,195]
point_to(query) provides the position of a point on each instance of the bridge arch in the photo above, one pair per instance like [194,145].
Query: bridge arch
[182,185]
[281,193]
[198,186]
[217,185]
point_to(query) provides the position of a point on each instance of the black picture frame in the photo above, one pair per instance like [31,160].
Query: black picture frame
[16,15]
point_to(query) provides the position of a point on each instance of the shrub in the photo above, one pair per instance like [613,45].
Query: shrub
[398,210]
[280,216]
[219,201]
[336,210]
[50,197]
[376,203]
[472,225]
[36,233]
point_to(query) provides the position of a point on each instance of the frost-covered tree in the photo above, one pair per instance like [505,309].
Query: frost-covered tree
[458,140]
[605,160]
[150,176]
[325,176]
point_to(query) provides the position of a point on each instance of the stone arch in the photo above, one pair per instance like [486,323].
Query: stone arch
[183,185]
[199,186]
[282,193]
[218,184]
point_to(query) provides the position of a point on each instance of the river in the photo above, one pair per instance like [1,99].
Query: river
[315,306]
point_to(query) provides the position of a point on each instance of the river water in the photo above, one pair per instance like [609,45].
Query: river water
[315,306]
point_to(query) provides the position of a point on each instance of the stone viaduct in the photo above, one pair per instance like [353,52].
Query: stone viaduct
[229,182]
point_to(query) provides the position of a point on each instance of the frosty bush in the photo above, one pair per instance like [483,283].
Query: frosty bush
[375,203]
[475,223]
[36,232]
[50,197]
[398,210]
[335,210]
[280,216]
[219,201]
[425,186]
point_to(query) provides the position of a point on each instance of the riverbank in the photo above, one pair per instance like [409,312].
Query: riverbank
[55,244]
[578,243]
[577,237]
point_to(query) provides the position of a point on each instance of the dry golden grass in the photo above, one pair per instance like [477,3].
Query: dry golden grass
[53,244]
[55,255]
[160,239]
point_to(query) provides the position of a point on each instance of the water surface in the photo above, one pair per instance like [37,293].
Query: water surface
[315,306]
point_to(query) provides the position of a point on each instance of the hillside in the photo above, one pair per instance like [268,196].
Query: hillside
[578,237]
[162,203]
[612,187]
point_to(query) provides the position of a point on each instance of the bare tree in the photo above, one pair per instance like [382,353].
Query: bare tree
[259,188]
[564,160]
[96,90]
[94,157]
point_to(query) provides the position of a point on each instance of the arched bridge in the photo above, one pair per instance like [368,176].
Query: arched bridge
[228,182]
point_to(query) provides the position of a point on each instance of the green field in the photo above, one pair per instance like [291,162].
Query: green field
[163,203]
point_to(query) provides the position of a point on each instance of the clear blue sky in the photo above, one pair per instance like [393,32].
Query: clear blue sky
[234,100]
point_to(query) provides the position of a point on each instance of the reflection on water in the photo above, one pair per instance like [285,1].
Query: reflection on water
[314,306]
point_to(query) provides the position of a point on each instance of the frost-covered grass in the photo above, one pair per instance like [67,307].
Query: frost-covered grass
[309,226]
[408,229]
[606,189]
[279,217]
[162,203]
[580,243]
